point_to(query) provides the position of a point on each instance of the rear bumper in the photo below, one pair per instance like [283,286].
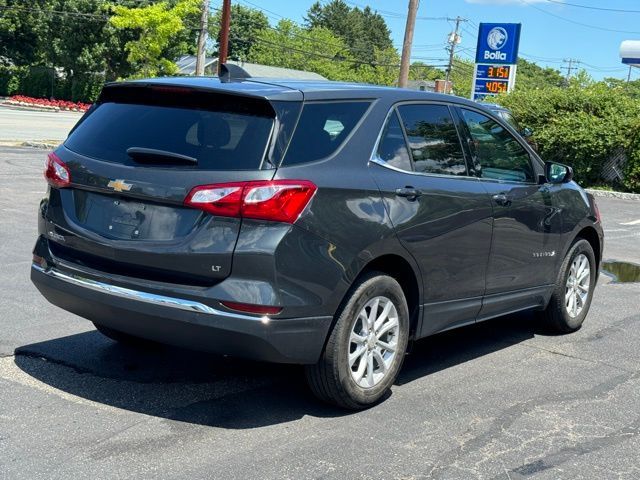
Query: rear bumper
[184,323]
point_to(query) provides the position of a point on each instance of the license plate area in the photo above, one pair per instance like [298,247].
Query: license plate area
[121,218]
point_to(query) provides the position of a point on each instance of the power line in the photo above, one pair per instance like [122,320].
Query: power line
[94,16]
[586,25]
[390,14]
[589,7]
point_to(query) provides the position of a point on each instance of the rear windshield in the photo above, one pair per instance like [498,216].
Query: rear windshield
[218,140]
[322,128]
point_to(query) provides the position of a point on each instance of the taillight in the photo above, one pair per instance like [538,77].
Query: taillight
[276,200]
[56,172]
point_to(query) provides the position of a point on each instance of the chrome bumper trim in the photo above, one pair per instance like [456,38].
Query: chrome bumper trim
[152,298]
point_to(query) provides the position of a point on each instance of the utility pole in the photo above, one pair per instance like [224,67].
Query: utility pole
[406,45]
[225,24]
[570,68]
[454,39]
[202,38]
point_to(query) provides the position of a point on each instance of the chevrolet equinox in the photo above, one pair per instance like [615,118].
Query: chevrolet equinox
[316,223]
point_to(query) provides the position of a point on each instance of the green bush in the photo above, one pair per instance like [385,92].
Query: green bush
[39,82]
[632,169]
[582,125]
[10,78]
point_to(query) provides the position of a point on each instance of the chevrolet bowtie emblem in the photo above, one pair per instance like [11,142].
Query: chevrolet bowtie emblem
[119,185]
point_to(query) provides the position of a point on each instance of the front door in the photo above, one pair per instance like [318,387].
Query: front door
[442,215]
[525,221]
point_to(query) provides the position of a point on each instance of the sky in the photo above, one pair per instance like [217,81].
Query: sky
[552,30]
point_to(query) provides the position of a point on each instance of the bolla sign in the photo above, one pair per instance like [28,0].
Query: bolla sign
[498,43]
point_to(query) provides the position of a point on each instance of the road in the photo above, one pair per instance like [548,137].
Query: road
[502,399]
[23,125]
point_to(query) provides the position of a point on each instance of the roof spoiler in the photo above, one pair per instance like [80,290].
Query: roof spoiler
[228,72]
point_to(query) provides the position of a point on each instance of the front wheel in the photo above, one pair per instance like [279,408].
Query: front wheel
[572,295]
[366,347]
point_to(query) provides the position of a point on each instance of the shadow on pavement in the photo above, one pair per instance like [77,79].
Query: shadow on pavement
[204,389]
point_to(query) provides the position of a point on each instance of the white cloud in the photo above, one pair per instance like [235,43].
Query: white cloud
[505,2]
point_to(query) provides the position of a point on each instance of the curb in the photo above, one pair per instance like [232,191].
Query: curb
[612,194]
[41,145]
[33,108]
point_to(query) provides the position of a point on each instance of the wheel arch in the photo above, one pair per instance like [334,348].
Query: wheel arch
[406,275]
[590,234]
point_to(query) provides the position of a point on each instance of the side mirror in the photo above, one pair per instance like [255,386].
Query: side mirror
[558,173]
[527,132]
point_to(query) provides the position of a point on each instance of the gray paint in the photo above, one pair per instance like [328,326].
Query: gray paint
[472,259]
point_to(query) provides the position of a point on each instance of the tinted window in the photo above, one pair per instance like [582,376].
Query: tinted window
[393,147]
[499,154]
[218,140]
[507,117]
[433,139]
[322,128]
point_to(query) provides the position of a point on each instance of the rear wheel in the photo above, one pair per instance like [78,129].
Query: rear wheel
[366,347]
[122,337]
[572,295]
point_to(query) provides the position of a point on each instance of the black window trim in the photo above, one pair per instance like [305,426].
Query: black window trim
[537,165]
[374,158]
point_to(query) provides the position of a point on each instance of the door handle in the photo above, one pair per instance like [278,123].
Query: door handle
[409,193]
[502,199]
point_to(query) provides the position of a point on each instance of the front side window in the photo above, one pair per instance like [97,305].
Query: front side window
[393,147]
[500,155]
[433,139]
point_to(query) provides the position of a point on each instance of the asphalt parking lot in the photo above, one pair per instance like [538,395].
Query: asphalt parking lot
[502,399]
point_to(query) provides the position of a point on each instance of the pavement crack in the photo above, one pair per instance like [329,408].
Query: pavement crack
[576,357]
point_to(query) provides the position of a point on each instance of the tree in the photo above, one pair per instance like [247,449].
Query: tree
[363,31]
[163,32]
[290,46]
[319,50]
[23,31]
[532,75]
[246,25]
[422,71]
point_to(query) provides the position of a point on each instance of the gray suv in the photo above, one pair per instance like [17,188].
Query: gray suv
[323,224]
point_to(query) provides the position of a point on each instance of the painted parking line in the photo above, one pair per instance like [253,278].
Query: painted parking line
[635,222]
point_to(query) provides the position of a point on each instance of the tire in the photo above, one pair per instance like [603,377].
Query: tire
[121,337]
[559,314]
[332,379]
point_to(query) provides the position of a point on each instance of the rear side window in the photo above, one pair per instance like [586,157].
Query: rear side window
[433,139]
[322,128]
[218,140]
[500,155]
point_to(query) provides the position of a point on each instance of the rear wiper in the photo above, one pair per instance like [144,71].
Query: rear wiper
[151,155]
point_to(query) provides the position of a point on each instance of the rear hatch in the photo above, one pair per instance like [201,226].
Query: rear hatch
[134,158]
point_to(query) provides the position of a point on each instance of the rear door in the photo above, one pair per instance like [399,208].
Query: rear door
[526,221]
[132,162]
[441,215]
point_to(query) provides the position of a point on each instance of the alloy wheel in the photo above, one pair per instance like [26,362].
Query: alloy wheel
[373,342]
[578,285]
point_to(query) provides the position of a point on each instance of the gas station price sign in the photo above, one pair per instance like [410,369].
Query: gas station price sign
[491,72]
[492,79]
[496,59]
